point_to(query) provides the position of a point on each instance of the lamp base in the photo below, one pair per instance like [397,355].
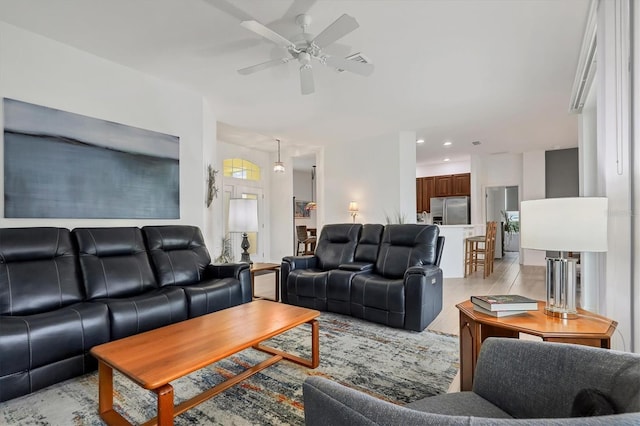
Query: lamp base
[244,256]
[560,314]
[561,288]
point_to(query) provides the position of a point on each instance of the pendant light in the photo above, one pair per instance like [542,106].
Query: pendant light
[278,166]
[311,205]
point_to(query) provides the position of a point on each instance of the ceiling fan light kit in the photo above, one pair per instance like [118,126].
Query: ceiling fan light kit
[308,49]
[278,166]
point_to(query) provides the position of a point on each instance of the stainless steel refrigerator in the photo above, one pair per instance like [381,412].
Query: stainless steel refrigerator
[451,210]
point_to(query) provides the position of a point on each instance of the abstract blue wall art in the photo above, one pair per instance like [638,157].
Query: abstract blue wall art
[59,164]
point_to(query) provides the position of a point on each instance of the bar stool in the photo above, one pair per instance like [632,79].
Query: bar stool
[480,251]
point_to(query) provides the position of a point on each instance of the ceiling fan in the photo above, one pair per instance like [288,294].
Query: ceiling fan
[307,49]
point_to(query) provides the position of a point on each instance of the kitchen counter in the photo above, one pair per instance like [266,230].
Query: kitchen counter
[452,263]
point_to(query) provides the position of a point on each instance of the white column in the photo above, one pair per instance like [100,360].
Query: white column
[407,170]
[613,106]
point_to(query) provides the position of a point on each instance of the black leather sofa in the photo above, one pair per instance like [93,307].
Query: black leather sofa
[385,274]
[63,292]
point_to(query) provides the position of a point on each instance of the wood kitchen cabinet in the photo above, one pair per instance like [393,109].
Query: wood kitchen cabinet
[462,184]
[443,186]
[427,193]
[440,186]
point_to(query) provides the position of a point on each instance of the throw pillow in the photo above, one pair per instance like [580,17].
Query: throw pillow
[592,402]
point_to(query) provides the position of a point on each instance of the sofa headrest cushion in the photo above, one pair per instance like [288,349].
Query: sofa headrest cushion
[173,237]
[22,244]
[105,242]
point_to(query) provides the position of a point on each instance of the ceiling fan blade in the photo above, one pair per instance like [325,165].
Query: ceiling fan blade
[263,66]
[267,33]
[349,65]
[306,80]
[338,29]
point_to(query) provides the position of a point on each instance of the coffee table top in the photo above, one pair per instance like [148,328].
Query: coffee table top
[537,323]
[159,356]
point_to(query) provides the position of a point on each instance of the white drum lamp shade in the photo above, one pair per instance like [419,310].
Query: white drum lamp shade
[565,225]
[243,217]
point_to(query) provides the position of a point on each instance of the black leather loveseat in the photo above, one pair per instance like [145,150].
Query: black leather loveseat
[386,274]
[63,292]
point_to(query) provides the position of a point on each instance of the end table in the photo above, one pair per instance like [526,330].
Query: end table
[588,329]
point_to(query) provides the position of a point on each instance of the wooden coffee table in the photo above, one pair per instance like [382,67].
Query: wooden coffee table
[157,357]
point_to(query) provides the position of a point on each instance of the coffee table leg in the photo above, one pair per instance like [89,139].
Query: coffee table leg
[105,388]
[315,344]
[314,362]
[165,405]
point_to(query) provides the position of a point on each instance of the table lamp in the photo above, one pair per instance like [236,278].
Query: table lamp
[353,210]
[564,225]
[243,217]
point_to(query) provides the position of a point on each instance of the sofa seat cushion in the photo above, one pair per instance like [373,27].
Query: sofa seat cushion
[212,295]
[308,288]
[459,404]
[144,312]
[378,299]
[339,288]
[29,342]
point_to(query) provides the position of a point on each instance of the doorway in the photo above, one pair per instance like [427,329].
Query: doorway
[502,206]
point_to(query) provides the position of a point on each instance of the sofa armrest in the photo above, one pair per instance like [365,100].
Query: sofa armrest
[356,266]
[239,271]
[423,296]
[289,263]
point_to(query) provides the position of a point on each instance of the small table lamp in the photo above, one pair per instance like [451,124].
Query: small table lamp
[353,210]
[243,217]
[563,224]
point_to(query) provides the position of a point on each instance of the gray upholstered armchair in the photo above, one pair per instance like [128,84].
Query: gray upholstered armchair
[517,382]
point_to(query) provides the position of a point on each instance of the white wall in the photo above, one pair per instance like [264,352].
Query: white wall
[448,168]
[41,71]
[353,173]
[488,171]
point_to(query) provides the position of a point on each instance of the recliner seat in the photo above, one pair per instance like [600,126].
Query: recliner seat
[304,279]
[180,259]
[404,289]
[116,271]
[46,327]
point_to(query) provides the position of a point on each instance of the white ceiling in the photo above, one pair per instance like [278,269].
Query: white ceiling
[497,71]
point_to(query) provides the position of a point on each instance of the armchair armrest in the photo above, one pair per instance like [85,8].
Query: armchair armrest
[527,378]
[329,403]
[356,266]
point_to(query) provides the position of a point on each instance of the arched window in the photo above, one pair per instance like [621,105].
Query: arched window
[241,169]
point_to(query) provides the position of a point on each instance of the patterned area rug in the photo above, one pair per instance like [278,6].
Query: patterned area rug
[399,366]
